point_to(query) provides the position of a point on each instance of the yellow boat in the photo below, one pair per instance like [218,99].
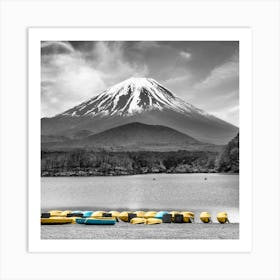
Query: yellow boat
[124,216]
[97,214]
[59,213]
[222,217]
[140,214]
[115,214]
[205,217]
[150,214]
[188,217]
[135,221]
[64,213]
[57,221]
[153,221]
[74,219]
[55,213]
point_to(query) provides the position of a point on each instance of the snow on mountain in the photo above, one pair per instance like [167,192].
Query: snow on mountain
[140,100]
[130,97]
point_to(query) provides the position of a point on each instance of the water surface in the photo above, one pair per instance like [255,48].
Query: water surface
[193,192]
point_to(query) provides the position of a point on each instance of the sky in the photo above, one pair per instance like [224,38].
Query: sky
[203,73]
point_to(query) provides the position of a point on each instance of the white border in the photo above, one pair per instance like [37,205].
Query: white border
[243,35]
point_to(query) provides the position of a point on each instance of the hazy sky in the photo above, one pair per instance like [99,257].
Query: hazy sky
[205,74]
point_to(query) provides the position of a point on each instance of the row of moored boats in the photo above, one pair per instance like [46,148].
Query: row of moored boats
[137,217]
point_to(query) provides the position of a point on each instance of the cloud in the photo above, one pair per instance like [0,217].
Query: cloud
[218,92]
[54,47]
[204,75]
[224,104]
[229,114]
[143,45]
[66,80]
[69,76]
[111,62]
[179,85]
[221,74]
[186,55]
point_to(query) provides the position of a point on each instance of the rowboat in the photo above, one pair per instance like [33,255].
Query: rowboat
[87,214]
[65,213]
[178,219]
[173,213]
[55,213]
[153,221]
[124,216]
[97,214]
[100,221]
[160,214]
[150,214]
[205,217]
[135,221]
[222,217]
[139,214]
[188,217]
[80,220]
[115,214]
[59,213]
[76,214]
[45,215]
[96,221]
[56,221]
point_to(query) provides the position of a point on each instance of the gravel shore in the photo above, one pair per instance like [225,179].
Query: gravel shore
[123,230]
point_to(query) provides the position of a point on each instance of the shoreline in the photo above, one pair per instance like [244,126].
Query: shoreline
[124,231]
[86,174]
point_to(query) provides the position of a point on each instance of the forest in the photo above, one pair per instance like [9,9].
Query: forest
[91,163]
[81,162]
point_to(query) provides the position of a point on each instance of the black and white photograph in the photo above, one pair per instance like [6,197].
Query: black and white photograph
[139,139]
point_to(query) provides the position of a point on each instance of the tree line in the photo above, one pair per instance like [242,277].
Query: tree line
[81,162]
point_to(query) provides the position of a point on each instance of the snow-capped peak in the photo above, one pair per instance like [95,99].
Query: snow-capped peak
[132,96]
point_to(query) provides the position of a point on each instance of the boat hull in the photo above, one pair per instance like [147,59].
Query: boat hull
[80,220]
[222,217]
[56,221]
[153,221]
[103,221]
[135,221]
[205,217]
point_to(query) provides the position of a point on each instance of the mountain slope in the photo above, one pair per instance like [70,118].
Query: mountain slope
[132,96]
[134,137]
[141,134]
[139,100]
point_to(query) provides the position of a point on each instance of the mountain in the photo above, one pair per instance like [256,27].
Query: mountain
[133,137]
[53,138]
[141,134]
[80,134]
[140,100]
[130,97]
[228,160]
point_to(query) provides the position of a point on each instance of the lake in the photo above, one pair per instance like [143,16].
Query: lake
[191,192]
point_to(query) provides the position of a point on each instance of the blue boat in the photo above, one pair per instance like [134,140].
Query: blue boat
[80,220]
[160,214]
[87,214]
[99,221]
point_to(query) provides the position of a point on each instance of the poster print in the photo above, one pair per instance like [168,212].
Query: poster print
[139,139]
